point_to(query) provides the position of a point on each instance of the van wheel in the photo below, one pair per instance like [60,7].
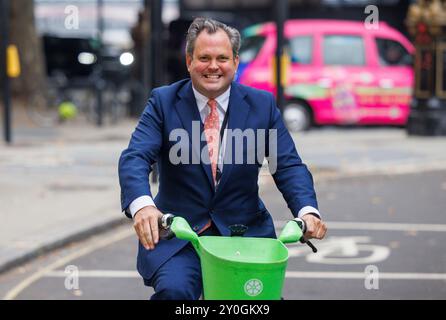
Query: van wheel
[296,116]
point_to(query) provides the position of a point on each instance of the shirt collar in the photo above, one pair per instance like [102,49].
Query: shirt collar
[222,100]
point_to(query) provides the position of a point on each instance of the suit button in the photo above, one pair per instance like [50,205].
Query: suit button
[195,228]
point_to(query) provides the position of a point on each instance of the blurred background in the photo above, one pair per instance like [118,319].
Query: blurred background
[360,85]
[71,50]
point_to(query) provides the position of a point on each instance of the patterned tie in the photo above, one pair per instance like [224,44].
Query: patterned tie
[211,130]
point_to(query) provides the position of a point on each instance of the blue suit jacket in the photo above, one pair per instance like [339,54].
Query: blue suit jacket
[187,190]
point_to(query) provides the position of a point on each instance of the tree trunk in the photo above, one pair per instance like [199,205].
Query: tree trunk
[23,34]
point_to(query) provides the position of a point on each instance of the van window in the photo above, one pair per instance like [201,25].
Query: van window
[343,50]
[391,52]
[250,48]
[300,49]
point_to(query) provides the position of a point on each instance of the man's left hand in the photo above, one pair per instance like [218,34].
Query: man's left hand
[316,228]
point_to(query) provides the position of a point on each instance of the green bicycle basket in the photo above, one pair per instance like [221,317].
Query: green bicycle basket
[240,268]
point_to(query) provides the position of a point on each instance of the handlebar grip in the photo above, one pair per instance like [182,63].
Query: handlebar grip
[164,222]
[303,226]
[166,234]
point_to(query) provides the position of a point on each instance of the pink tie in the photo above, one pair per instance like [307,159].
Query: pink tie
[211,130]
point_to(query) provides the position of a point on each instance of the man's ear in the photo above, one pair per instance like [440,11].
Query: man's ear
[188,61]
[236,61]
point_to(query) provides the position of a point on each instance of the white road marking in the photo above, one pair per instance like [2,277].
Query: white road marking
[343,251]
[377,226]
[96,274]
[13,293]
[362,275]
[289,274]
[332,225]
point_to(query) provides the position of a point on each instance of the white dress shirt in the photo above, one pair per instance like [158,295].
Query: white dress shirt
[204,110]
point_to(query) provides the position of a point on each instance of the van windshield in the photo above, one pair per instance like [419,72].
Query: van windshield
[250,48]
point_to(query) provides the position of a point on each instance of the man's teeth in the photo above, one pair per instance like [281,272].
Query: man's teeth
[212,76]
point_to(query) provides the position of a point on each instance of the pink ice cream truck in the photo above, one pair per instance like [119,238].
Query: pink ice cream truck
[336,72]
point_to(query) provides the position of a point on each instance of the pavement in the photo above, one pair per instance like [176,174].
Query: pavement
[60,184]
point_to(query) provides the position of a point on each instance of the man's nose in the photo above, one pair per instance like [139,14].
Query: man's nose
[213,64]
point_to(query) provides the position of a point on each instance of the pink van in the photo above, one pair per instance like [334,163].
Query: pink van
[338,72]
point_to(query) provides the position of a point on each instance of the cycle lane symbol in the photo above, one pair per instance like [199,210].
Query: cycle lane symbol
[343,250]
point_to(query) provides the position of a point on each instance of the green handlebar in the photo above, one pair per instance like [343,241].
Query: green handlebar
[291,233]
[182,230]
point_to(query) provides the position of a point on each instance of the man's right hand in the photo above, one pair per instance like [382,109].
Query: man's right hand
[146,226]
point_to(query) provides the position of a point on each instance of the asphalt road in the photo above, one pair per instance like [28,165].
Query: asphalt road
[385,241]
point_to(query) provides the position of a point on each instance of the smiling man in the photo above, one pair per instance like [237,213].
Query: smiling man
[217,191]
[212,63]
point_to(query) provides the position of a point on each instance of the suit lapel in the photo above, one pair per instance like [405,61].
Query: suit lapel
[238,113]
[189,115]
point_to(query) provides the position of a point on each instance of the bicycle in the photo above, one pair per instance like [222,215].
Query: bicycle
[62,99]
[231,269]
[43,104]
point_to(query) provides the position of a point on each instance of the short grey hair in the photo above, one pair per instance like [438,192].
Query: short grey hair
[211,26]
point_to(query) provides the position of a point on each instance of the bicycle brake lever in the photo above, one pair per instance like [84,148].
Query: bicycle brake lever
[313,248]
[303,226]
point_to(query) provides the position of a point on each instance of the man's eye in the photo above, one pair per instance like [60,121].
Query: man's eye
[223,59]
[204,59]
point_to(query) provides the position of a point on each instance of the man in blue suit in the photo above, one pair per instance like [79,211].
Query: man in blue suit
[208,175]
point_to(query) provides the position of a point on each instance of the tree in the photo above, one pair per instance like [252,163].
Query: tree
[24,35]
